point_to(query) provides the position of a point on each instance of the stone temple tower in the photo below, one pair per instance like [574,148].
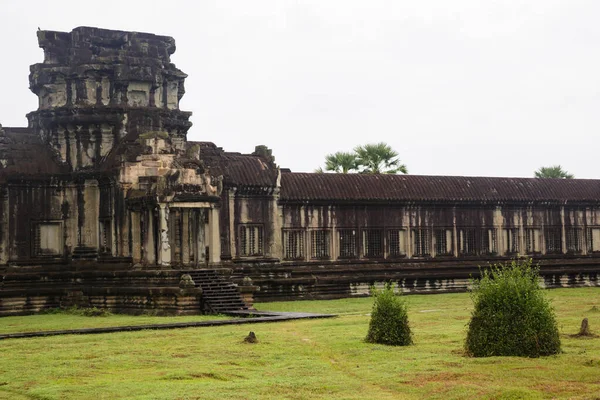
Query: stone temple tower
[98,88]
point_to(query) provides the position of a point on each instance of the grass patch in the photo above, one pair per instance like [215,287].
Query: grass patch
[84,312]
[316,359]
[78,318]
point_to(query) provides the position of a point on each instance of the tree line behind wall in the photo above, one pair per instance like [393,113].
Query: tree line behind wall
[381,158]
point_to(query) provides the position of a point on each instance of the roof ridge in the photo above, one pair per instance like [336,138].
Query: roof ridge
[383,187]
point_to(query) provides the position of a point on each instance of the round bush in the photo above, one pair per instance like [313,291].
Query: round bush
[511,315]
[389,319]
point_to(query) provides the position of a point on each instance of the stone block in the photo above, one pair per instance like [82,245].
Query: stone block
[151,172]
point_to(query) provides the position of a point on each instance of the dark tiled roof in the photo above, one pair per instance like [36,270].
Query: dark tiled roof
[363,187]
[237,169]
[23,153]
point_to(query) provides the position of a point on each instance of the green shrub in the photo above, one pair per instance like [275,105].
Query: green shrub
[511,315]
[389,319]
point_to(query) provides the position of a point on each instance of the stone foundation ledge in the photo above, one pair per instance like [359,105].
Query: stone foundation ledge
[159,304]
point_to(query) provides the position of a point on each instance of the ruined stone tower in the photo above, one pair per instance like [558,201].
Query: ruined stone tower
[98,87]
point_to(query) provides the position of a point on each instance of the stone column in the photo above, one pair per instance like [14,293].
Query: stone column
[232,232]
[214,237]
[149,243]
[4,245]
[563,231]
[89,214]
[136,245]
[71,218]
[542,239]
[200,239]
[123,235]
[498,226]
[584,230]
[333,243]
[409,244]
[164,250]
[89,234]
[454,233]
[114,228]
[185,237]
[273,234]
[522,238]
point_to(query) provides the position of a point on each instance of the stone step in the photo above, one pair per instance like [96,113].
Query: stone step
[221,294]
[218,294]
[215,295]
[229,306]
[228,303]
[220,289]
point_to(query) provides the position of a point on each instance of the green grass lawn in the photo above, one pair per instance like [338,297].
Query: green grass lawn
[310,359]
[66,320]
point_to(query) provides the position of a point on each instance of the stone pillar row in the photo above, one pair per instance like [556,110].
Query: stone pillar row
[152,239]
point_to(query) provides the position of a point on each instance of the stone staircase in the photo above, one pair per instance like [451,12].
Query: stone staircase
[219,295]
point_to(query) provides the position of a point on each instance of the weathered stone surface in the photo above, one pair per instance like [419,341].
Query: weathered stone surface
[105,179]
[251,338]
[99,87]
[104,152]
[584,330]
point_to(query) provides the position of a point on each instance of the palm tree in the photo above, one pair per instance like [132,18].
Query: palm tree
[554,171]
[379,158]
[341,162]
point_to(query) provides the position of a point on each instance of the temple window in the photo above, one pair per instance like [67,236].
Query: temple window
[467,242]
[396,243]
[347,242]
[48,239]
[553,237]
[421,242]
[443,242]
[593,240]
[574,240]
[532,240]
[373,243]
[511,237]
[293,243]
[489,242]
[251,240]
[320,244]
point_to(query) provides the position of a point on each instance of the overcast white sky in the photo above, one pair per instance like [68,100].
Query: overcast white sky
[481,87]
